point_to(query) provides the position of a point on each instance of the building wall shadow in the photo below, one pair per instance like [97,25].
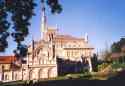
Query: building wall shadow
[68,66]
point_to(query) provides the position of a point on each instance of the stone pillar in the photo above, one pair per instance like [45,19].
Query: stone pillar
[90,64]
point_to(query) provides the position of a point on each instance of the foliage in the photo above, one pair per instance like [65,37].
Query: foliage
[119,47]
[94,60]
[102,66]
[17,14]
[105,56]
[116,46]
[54,5]
[108,56]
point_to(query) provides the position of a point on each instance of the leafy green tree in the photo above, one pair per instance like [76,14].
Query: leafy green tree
[19,12]
[119,47]
[116,47]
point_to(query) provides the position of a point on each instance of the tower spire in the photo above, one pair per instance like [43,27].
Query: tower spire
[43,21]
[86,37]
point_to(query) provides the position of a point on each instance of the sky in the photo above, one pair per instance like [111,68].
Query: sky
[103,20]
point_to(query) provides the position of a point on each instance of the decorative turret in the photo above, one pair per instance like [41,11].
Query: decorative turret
[86,37]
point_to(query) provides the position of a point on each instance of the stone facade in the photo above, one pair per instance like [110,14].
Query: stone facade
[42,55]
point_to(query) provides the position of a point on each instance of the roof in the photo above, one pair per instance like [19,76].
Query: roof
[7,59]
[87,45]
[68,37]
[51,29]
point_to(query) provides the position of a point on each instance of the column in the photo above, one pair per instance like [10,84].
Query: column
[90,64]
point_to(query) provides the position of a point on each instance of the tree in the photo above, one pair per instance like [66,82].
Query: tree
[107,56]
[119,47]
[116,47]
[94,60]
[20,12]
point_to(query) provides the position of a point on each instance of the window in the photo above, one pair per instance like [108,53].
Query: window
[72,53]
[76,53]
[74,45]
[69,46]
[68,54]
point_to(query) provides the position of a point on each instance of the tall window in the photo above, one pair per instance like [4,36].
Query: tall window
[67,53]
[72,54]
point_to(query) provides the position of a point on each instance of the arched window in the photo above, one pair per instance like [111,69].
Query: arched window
[52,72]
[31,74]
[43,73]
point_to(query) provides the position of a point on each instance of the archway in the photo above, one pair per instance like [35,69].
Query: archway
[52,72]
[31,75]
[6,77]
[43,73]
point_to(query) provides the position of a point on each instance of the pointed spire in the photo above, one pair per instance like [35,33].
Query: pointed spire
[43,20]
[57,28]
[86,37]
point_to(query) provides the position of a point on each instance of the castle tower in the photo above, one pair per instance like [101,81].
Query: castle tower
[43,23]
[47,33]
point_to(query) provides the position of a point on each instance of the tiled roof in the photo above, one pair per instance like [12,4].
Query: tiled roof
[7,59]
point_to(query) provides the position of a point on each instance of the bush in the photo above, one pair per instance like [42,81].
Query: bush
[102,66]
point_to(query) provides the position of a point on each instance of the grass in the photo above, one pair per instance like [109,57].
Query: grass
[63,80]
[79,76]
[74,76]
[84,76]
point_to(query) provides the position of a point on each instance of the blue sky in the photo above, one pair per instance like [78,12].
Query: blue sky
[103,20]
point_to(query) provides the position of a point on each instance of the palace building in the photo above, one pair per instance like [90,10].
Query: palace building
[41,60]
